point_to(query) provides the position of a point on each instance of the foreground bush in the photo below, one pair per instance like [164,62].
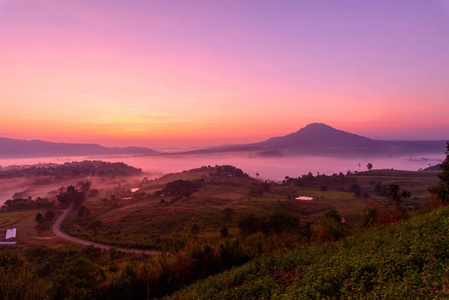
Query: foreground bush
[408,260]
[17,281]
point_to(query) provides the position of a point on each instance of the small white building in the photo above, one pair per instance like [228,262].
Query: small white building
[304,198]
[10,234]
[10,238]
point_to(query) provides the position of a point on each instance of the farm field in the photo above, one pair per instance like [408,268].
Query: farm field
[214,198]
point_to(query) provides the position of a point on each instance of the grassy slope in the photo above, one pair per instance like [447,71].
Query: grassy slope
[415,182]
[26,228]
[406,260]
[143,220]
[143,216]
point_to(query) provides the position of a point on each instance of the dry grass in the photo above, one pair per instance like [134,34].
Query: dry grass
[27,234]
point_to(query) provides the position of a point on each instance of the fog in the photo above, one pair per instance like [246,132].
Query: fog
[272,168]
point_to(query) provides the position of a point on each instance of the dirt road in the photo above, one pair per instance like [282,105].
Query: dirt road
[89,243]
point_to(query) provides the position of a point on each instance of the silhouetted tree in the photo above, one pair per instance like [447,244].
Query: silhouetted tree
[49,215]
[83,211]
[355,188]
[39,218]
[440,193]
[396,195]
[369,166]
[71,195]
[85,185]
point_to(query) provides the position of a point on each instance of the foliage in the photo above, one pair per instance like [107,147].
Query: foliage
[397,195]
[27,203]
[224,232]
[273,224]
[226,171]
[49,215]
[87,167]
[408,260]
[17,281]
[440,192]
[71,195]
[180,188]
[334,181]
[329,227]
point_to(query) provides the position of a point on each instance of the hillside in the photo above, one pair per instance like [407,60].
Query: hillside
[213,219]
[217,197]
[14,148]
[321,139]
[408,260]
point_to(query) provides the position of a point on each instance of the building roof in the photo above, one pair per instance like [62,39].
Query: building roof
[10,233]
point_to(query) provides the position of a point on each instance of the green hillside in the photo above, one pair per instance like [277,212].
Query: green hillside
[406,260]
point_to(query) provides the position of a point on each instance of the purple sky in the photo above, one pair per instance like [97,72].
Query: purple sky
[163,73]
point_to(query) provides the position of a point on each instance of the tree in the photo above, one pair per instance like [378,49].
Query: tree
[369,166]
[224,232]
[397,195]
[49,215]
[355,188]
[329,226]
[39,218]
[195,230]
[440,193]
[83,211]
[71,196]
[85,185]
[248,224]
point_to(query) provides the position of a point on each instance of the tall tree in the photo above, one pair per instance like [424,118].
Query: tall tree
[440,193]
[397,195]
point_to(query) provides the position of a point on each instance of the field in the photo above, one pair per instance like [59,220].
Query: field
[231,236]
[415,182]
[149,216]
[27,235]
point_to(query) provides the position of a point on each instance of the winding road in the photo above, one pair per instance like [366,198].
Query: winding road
[64,236]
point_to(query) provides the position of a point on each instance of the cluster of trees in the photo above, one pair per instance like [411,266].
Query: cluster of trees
[257,189]
[440,193]
[27,203]
[71,195]
[323,182]
[44,221]
[273,224]
[329,227]
[87,167]
[180,188]
[226,171]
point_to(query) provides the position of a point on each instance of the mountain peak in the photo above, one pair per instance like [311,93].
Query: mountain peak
[319,135]
[317,127]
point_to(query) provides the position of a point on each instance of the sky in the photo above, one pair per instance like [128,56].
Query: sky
[198,73]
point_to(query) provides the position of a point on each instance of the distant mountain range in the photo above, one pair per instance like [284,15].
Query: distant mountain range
[13,148]
[318,138]
[314,139]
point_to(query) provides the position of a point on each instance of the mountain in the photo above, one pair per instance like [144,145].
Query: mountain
[318,138]
[14,148]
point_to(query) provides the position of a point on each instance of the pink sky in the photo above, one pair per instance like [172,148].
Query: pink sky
[195,73]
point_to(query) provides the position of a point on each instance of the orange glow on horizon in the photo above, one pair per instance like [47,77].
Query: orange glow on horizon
[153,74]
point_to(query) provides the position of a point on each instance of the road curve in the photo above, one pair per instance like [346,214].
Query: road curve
[64,236]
